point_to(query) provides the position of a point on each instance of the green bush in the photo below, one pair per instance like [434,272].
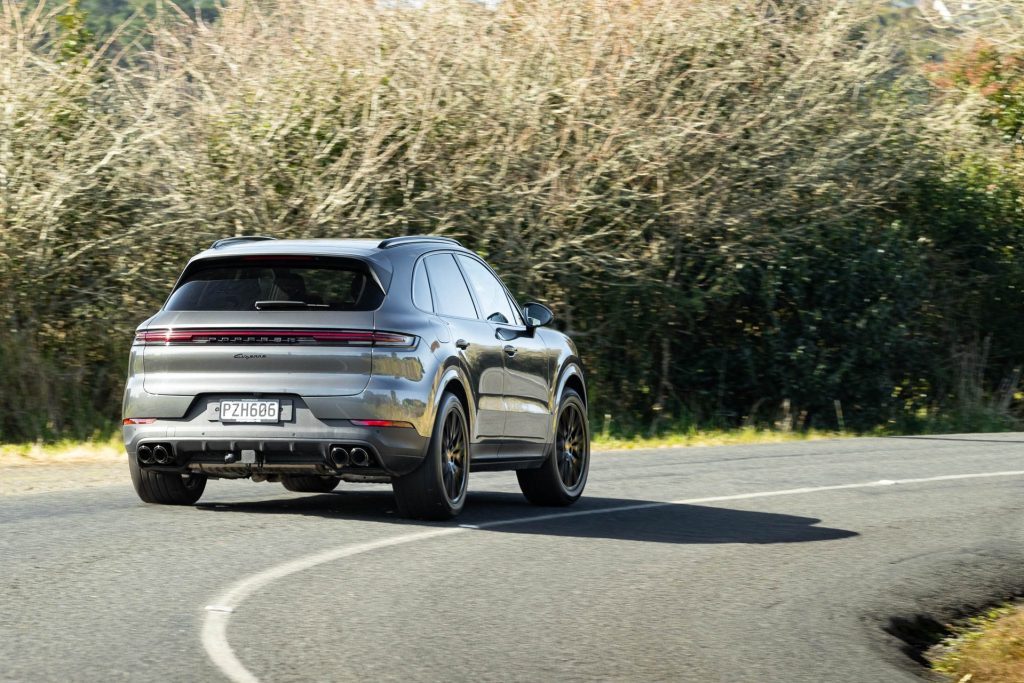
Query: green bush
[743,212]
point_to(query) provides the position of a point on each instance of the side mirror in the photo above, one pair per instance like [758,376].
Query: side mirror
[537,315]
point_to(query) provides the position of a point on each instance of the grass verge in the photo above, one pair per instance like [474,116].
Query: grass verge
[713,437]
[987,649]
[65,452]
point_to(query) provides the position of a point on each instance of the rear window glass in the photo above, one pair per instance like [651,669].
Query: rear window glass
[270,284]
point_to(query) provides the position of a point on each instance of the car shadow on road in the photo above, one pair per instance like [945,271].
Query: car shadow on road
[599,518]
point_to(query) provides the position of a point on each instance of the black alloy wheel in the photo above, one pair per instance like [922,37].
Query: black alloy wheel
[561,479]
[570,449]
[437,488]
[455,457]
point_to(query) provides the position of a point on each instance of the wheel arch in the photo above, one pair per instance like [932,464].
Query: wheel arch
[455,380]
[571,376]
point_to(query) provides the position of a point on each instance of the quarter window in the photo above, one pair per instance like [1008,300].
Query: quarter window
[490,293]
[421,289]
[517,318]
[450,291]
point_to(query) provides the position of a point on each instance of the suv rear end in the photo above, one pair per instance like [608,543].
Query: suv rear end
[269,360]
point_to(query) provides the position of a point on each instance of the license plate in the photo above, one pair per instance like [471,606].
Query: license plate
[250,411]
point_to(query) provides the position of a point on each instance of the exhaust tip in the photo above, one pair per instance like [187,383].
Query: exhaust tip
[145,454]
[339,457]
[161,454]
[360,458]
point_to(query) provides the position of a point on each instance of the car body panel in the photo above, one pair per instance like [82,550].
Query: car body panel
[528,404]
[483,364]
[314,371]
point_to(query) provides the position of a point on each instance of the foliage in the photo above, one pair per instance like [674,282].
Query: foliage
[745,213]
[998,77]
[694,437]
[988,648]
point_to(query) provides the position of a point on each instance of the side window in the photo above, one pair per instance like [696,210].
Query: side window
[449,287]
[489,292]
[421,289]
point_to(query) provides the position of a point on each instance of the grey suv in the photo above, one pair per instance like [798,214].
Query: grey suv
[310,362]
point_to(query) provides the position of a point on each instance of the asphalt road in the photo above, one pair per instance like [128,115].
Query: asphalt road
[806,585]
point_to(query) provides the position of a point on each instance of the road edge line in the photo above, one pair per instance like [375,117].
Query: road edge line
[219,610]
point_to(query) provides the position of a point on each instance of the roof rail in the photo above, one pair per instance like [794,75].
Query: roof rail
[228,241]
[409,239]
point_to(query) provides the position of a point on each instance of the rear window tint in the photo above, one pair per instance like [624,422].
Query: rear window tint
[323,284]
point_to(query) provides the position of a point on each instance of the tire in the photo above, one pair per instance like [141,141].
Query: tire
[437,488]
[310,484]
[166,488]
[561,479]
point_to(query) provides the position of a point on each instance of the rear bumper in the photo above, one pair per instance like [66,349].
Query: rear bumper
[299,444]
[398,394]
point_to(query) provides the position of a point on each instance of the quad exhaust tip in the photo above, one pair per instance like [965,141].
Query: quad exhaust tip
[360,458]
[162,454]
[146,455]
[339,457]
[155,454]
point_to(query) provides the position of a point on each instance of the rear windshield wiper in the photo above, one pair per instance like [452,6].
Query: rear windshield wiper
[274,305]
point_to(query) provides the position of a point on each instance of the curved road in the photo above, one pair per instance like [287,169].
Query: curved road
[810,561]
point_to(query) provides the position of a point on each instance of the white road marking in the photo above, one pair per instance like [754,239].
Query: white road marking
[215,623]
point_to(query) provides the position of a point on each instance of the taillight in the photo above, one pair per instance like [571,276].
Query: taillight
[138,420]
[228,336]
[392,339]
[380,423]
[280,257]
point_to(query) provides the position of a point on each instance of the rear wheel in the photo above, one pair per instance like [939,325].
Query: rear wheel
[310,484]
[437,488]
[166,488]
[562,477]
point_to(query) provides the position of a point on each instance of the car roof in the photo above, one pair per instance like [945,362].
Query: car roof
[326,247]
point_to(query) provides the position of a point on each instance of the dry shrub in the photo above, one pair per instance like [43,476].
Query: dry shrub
[660,172]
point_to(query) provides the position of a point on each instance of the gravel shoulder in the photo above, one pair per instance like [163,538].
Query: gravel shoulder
[47,477]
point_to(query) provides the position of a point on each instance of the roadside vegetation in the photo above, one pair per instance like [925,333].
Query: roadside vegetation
[789,216]
[711,437]
[62,452]
[987,649]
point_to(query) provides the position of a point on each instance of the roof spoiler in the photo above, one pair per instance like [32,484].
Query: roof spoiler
[228,241]
[410,239]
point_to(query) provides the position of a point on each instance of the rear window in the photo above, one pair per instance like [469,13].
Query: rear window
[249,284]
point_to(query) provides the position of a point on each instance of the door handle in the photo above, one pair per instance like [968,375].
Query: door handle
[462,343]
[510,350]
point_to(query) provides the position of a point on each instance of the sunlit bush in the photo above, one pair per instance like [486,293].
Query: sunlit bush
[729,205]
